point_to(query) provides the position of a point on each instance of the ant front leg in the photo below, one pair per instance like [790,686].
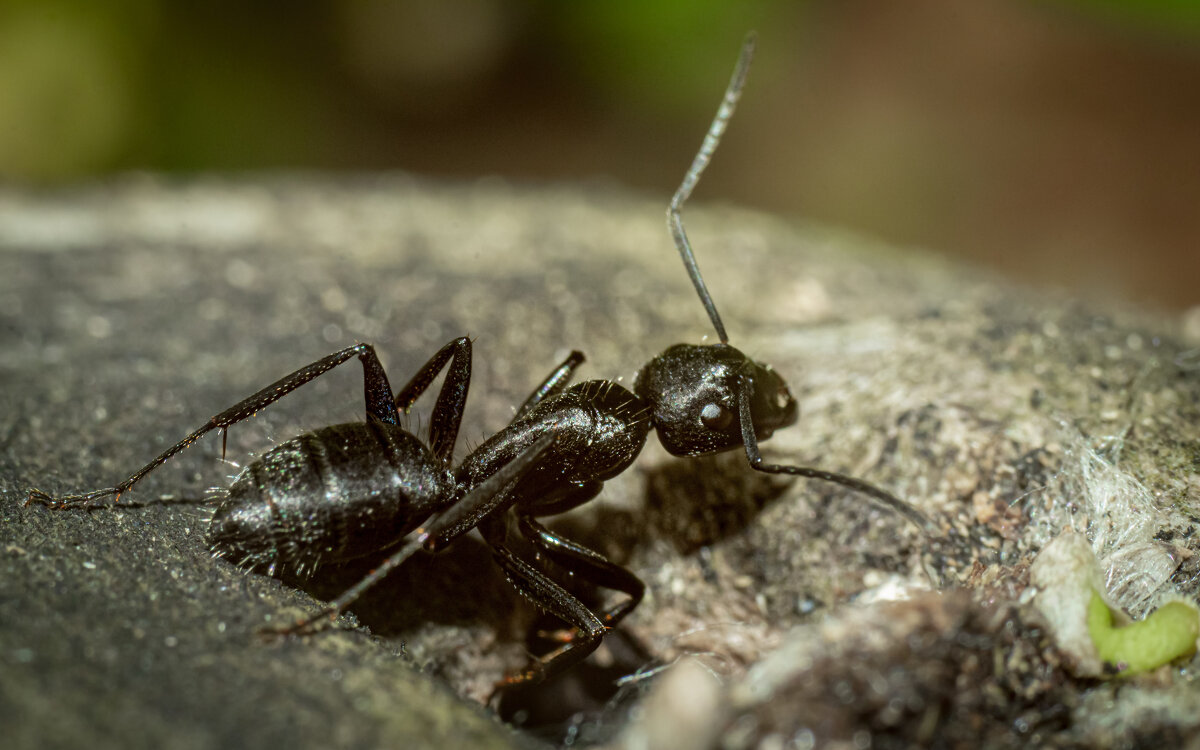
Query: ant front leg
[585,628]
[538,588]
[588,565]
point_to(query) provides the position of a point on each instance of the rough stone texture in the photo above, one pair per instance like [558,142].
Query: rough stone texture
[132,311]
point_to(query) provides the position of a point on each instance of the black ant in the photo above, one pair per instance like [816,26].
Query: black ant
[354,490]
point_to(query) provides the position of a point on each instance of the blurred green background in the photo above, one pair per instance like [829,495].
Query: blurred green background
[1056,141]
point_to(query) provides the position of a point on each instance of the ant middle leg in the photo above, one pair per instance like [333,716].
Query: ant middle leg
[451,400]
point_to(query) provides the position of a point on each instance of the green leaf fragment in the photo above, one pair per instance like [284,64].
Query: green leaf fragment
[1165,635]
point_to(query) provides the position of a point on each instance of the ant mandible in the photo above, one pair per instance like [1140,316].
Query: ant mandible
[355,490]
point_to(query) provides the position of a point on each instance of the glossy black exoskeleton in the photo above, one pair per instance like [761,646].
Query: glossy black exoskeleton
[353,490]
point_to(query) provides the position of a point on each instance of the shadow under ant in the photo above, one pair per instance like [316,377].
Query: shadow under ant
[689,504]
[458,586]
[161,501]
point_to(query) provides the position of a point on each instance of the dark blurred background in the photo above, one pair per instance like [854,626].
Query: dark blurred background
[1058,141]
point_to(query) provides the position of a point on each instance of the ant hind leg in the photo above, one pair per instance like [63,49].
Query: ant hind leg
[376,391]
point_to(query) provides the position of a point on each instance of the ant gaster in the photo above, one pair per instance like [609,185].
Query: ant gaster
[353,490]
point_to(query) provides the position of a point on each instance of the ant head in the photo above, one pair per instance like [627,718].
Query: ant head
[694,391]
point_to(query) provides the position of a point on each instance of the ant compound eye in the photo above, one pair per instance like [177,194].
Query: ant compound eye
[782,398]
[715,416]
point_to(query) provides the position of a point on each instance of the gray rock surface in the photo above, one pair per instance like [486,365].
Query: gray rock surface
[132,311]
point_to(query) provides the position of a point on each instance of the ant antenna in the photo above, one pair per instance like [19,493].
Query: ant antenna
[711,139]
[750,441]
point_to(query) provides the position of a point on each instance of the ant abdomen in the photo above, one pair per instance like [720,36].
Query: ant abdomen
[328,496]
